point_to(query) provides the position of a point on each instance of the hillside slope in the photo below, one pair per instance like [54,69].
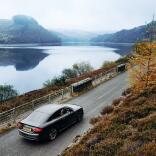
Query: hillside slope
[125,36]
[25,29]
[127,128]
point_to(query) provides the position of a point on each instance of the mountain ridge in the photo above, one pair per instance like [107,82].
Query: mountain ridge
[25,29]
[126,35]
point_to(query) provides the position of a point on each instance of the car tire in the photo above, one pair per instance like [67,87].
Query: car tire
[52,134]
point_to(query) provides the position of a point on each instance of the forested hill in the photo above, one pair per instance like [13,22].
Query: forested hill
[25,29]
[125,36]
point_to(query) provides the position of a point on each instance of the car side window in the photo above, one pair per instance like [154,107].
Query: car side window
[60,113]
[63,111]
[50,118]
[69,110]
[66,111]
[55,115]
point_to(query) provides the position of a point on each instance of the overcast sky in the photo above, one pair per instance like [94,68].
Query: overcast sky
[90,15]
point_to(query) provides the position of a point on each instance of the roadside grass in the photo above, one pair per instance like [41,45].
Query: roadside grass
[7,127]
[126,128]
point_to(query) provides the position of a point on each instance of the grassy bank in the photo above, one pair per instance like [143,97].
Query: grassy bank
[126,128]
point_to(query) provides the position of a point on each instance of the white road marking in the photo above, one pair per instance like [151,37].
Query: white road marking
[106,93]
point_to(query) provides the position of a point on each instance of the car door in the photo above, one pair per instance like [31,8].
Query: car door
[62,119]
[68,117]
[56,121]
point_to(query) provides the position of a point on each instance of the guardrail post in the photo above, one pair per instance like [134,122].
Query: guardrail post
[49,98]
[101,77]
[33,105]
[62,94]
[95,80]
[71,91]
[13,114]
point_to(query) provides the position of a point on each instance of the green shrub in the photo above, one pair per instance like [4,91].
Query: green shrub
[108,64]
[7,92]
[57,81]
[82,67]
[123,60]
[69,73]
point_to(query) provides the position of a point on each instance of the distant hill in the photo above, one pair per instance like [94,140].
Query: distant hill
[75,35]
[25,29]
[124,36]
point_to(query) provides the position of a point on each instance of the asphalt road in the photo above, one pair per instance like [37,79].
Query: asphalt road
[11,144]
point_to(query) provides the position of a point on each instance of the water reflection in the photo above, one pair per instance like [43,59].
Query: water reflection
[120,48]
[21,58]
[46,62]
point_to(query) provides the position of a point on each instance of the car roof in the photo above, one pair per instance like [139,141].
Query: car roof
[52,108]
[49,108]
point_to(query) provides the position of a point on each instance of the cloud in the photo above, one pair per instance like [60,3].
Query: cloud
[82,14]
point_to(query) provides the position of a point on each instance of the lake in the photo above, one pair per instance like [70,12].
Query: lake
[27,67]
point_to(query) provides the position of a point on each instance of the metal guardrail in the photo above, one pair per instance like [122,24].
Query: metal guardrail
[21,111]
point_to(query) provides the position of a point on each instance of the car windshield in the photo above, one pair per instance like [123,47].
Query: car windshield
[38,117]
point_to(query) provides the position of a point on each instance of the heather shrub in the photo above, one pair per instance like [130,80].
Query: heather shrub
[92,141]
[126,92]
[107,110]
[116,101]
[139,101]
[95,120]
[149,122]
[148,149]
[107,147]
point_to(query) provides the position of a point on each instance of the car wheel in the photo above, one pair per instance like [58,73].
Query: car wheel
[52,134]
